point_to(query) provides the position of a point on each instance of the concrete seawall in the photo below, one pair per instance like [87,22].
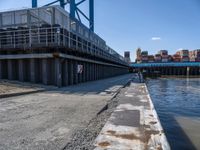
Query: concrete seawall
[134,124]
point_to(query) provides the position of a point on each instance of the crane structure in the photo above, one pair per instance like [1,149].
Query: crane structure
[75,11]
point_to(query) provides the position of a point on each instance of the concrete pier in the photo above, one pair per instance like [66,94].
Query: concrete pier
[134,124]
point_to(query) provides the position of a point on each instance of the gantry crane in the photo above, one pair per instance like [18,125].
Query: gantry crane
[75,11]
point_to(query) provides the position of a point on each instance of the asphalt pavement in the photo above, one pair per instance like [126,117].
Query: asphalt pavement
[46,120]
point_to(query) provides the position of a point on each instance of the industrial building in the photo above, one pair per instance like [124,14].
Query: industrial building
[46,45]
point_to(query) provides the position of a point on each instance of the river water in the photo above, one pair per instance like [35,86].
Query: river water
[177,102]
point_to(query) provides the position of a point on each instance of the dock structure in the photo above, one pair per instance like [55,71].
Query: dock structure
[46,45]
[134,124]
[169,68]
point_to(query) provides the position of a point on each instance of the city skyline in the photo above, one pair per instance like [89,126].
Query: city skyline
[151,25]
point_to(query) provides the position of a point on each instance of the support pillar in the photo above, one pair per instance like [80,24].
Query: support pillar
[10,70]
[84,72]
[1,70]
[96,73]
[92,71]
[88,72]
[75,72]
[81,75]
[71,72]
[21,70]
[65,74]
[44,72]
[32,71]
[58,72]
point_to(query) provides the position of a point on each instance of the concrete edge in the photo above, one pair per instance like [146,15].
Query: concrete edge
[114,96]
[104,141]
[165,144]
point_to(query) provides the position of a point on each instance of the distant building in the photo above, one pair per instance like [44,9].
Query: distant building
[127,56]
[138,55]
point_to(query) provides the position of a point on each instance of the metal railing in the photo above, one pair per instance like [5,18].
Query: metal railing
[29,38]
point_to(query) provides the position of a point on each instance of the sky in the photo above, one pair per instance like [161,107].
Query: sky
[151,25]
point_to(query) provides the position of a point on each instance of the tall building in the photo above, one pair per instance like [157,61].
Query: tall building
[138,55]
[127,56]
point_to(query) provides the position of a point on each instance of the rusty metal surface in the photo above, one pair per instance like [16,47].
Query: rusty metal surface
[134,125]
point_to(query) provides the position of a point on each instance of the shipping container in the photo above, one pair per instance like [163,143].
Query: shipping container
[144,53]
[164,59]
[151,58]
[176,57]
[184,58]
[144,59]
[163,52]
[184,53]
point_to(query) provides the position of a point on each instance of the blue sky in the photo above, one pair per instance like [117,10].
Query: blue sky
[149,24]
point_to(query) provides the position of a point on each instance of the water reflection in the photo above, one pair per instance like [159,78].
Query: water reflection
[177,102]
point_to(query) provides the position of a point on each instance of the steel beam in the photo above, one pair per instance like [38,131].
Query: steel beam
[34,3]
[62,3]
[72,8]
[91,11]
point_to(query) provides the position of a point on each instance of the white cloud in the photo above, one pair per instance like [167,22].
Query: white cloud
[180,49]
[156,38]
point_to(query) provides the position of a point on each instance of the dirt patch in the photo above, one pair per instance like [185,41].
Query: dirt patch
[111,132]
[104,144]
[153,122]
[12,88]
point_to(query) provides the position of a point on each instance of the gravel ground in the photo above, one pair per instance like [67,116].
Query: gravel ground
[48,120]
[83,139]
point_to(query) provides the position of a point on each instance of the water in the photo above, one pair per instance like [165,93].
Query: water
[177,102]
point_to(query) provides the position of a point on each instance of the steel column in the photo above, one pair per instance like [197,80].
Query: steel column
[62,3]
[1,70]
[32,70]
[65,74]
[72,8]
[21,70]
[58,73]
[44,72]
[10,70]
[34,3]
[75,72]
[71,73]
[91,5]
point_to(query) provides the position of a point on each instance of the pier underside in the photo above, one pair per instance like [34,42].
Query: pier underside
[55,69]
